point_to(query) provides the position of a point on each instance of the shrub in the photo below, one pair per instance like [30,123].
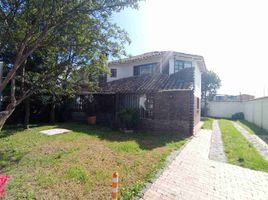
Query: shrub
[129,118]
[238,116]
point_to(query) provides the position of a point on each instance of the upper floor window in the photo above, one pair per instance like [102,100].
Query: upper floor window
[180,64]
[150,68]
[113,73]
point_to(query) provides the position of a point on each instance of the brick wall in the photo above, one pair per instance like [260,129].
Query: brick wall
[172,112]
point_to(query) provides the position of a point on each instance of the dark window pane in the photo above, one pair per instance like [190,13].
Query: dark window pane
[187,64]
[180,64]
[113,72]
[151,68]
[136,70]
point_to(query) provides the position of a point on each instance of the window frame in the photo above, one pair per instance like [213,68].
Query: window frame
[178,67]
[152,68]
[113,72]
[197,104]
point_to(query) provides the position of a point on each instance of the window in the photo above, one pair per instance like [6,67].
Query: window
[146,104]
[150,68]
[113,73]
[197,103]
[180,64]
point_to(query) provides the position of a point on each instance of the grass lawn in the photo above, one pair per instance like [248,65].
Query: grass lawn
[79,165]
[207,123]
[252,128]
[238,150]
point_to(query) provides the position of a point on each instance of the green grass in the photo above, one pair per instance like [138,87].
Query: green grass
[252,128]
[238,150]
[79,164]
[207,123]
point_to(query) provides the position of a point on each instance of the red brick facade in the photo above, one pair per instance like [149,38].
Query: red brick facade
[173,112]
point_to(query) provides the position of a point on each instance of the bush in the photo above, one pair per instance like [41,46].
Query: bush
[238,116]
[129,118]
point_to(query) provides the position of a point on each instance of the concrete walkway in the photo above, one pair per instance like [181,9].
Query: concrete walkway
[216,146]
[257,142]
[191,175]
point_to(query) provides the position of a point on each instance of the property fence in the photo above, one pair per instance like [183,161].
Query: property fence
[255,111]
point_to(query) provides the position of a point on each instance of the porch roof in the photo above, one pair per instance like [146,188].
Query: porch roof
[147,84]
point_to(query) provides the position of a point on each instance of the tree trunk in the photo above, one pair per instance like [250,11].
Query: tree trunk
[52,113]
[4,115]
[27,112]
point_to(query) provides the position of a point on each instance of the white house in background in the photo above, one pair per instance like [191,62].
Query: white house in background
[163,62]
[165,87]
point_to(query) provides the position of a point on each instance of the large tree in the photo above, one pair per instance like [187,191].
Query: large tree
[62,37]
[210,84]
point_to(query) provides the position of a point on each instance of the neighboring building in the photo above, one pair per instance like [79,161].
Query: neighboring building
[225,97]
[165,86]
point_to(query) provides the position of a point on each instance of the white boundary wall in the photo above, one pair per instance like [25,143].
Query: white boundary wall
[255,111]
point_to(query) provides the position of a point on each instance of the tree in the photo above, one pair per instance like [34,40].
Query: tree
[62,37]
[210,84]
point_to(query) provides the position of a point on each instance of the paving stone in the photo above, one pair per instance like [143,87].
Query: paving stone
[192,175]
[216,147]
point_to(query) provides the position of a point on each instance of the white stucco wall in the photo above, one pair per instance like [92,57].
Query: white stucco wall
[197,79]
[255,111]
[123,71]
[126,70]
[224,109]
[171,66]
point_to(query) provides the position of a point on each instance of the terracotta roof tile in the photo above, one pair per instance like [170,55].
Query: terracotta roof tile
[182,80]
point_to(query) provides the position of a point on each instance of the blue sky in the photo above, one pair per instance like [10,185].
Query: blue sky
[232,35]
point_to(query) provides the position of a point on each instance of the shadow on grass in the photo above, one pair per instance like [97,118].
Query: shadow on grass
[146,140]
[9,130]
[256,130]
[9,157]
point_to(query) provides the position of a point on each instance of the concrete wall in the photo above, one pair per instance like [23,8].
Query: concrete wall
[224,109]
[255,111]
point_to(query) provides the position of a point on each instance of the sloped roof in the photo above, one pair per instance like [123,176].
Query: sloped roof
[147,84]
[153,54]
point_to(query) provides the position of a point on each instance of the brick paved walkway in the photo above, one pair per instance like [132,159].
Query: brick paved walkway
[216,147]
[257,142]
[191,175]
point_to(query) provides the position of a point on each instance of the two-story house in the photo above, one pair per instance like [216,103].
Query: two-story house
[165,86]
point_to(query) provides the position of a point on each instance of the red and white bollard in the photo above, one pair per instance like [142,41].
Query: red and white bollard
[3,181]
[115,186]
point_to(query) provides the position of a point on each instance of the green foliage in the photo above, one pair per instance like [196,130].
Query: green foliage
[126,147]
[207,123]
[209,86]
[252,128]
[53,46]
[78,174]
[9,156]
[129,118]
[78,163]
[238,116]
[130,193]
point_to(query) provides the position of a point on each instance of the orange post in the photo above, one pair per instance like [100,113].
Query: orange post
[115,186]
